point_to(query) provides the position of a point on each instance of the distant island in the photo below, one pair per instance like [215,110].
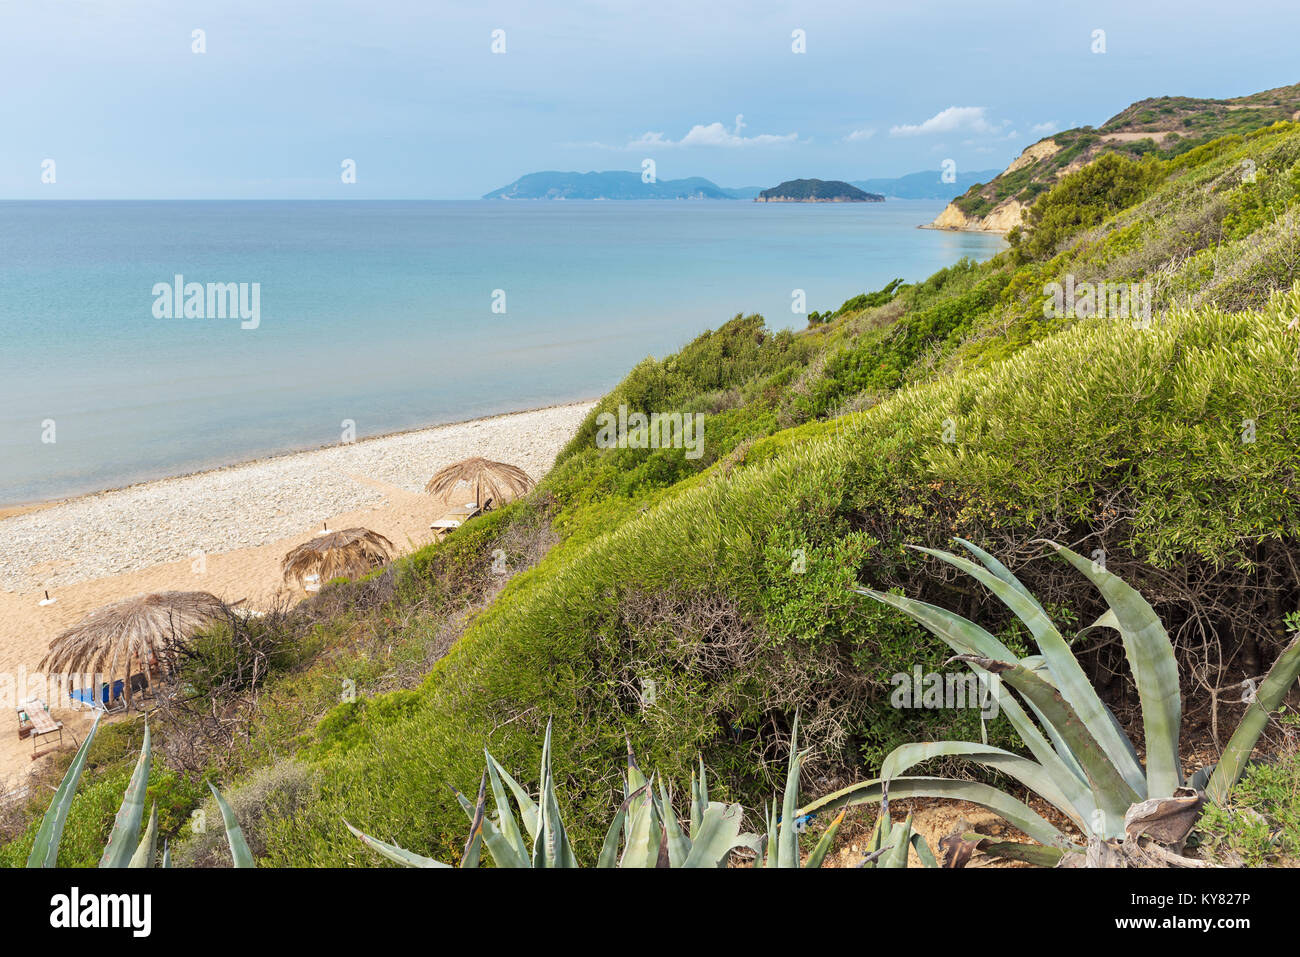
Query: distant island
[625,184]
[816,191]
[614,184]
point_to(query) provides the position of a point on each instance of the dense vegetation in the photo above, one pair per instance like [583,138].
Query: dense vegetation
[691,605]
[817,191]
[1175,124]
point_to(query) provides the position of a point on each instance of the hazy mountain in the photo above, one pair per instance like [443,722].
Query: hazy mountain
[625,184]
[613,184]
[926,185]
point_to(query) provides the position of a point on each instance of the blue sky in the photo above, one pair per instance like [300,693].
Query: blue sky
[287,90]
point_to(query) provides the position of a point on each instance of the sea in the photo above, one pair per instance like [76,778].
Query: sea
[146,339]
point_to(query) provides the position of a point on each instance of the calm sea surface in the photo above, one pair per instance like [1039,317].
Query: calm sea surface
[383,314]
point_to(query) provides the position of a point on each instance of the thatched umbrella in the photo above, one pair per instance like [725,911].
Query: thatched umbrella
[124,637]
[501,482]
[350,552]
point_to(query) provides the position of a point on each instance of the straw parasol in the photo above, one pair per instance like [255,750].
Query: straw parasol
[499,480]
[123,638]
[350,552]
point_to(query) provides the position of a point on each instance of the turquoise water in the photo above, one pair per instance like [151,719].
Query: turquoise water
[382,313]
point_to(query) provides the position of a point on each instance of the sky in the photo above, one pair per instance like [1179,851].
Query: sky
[284,92]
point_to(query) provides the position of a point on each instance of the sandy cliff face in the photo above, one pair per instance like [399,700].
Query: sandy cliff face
[1006,214]
[999,220]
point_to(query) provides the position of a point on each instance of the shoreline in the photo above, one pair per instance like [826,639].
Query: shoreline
[14,509]
[248,504]
[226,530]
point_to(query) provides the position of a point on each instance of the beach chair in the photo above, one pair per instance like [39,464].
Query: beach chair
[42,726]
[107,700]
[454,518]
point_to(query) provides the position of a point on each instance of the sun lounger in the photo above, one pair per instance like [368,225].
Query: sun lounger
[42,724]
[106,700]
[454,518]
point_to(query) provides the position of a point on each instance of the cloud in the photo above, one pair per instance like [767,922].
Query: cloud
[1043,129]
[701,134]
[955,119]
[858,136]
[712,134]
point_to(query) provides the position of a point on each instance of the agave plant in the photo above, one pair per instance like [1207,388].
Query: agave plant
[781,845]
[1082,763]
[650,833]
[125,847]
[890,842]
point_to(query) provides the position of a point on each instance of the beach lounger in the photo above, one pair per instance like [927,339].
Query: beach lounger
[42,725]
[107,700]
[454,518]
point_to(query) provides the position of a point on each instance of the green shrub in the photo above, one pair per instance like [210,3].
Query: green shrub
[1260,826]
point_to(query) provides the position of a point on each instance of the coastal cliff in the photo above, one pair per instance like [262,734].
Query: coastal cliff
[1164,126]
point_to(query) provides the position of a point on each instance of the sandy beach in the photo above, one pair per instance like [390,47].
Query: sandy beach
[225,531]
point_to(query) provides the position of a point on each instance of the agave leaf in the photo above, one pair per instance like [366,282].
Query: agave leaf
[641,846]
[1073,684]
[504,852]
[1031,775]
[239,851]
[788,836]
[473,846]
[997,568]
[167,855]
[901,838]
[880,832]
[962,635]
[552,847]
[528,811]
[636,778]
[1034,854]
[771,840]
[1113,794]
[1271,691]
[147,851]
[1201,778]
[967,638]
[1014,812]
[45,849]
[824,844]
[1055,757]
[505,822]
[395,853]
[609,849]
[923,851]
[124,838]
[678,846]
[1155,671]
[719,834]
[699,799]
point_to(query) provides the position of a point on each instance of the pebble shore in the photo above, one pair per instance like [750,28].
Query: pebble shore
[247,505]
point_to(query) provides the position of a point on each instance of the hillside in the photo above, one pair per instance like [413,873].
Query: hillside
[1162,126]
[688,607]
[816,191]
[611,184]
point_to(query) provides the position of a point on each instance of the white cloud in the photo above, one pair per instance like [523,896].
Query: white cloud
[1043,129]
[712,134]
[858,136]
[955,119]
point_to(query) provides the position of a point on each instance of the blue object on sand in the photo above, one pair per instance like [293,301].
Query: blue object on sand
[87,695]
